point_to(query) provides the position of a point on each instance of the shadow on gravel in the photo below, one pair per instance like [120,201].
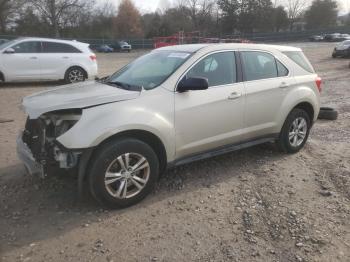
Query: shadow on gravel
[33,209]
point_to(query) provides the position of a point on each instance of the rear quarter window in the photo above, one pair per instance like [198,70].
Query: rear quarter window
[299,58]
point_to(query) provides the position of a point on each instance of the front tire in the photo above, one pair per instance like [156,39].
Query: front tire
[295,131]
[123,172]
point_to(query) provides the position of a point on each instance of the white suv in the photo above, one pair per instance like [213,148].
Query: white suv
[41,59]
[170,107]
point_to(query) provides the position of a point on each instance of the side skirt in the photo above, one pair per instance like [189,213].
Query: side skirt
[222,150]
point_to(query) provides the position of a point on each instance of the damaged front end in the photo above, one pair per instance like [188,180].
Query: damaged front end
[37,145]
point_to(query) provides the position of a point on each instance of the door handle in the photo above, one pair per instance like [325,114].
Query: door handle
[65,57]
[33,57]
[234,95]
[284,85]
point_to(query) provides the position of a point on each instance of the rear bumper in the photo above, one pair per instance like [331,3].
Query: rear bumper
[93,72]
[26,156]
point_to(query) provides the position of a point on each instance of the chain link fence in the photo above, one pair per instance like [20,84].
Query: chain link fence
[254,37]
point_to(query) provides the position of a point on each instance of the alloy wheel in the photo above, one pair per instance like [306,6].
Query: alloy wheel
[297,132]
[76,75]
[127,175]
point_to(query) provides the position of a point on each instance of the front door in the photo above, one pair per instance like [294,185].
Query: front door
[208,119]
[24,64]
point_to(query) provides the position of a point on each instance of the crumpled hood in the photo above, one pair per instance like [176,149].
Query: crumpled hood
[72,96]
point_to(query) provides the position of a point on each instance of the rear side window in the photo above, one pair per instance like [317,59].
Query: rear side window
[52,47]
[27,47]
[258,65]
[300,59]
[219,69]
[281,69]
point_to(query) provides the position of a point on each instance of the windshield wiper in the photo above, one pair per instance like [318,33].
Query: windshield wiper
[124,85]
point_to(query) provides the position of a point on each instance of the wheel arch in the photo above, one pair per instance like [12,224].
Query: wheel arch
[308,108]
[145,136]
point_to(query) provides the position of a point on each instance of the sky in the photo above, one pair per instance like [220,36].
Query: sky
[146,6]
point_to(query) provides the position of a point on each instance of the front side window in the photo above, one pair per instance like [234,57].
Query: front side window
[52,47]
[219,69]
[259,65]
[151,70]
[27,47]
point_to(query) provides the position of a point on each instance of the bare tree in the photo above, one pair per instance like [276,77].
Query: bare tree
[200,10]
[294,9]
[8,10]
[55,12]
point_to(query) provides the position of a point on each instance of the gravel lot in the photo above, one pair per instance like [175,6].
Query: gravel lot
[252,205]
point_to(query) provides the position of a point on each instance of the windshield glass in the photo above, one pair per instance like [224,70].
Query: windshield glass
[6,44]
[151,70]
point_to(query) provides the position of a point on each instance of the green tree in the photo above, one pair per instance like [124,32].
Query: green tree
[321,14]
[229,17]
[280,18]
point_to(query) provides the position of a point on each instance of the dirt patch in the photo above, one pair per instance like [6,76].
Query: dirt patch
[252,205]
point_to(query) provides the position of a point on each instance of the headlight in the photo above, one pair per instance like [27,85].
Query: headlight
[59,122]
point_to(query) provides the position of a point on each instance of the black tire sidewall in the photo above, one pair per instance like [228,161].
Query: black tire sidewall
[103,158]
[284,135]
[327,113]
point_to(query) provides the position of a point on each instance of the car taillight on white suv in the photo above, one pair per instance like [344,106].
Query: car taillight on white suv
[319,83]
[93,57]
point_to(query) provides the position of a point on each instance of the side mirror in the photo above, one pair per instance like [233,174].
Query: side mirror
[193,83]
[9,51]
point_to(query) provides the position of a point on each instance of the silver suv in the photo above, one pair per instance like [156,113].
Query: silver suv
[169,107]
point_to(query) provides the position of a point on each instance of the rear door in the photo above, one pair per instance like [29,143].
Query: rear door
[56,59]
[266,81]
[24,64]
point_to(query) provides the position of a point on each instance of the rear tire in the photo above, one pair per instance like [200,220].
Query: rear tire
[295,131]
[123,172]
[74,75]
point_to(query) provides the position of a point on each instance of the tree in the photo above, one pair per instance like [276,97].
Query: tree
[229,17]
[28,24]
[8,11]
[280,18]
[128,21]
[55,12]
[294,9]
[200,12]
[321,14]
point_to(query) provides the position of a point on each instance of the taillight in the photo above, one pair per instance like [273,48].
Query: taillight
[93,57]
[319,83]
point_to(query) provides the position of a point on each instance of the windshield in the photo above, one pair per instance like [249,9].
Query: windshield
[6,44]
[151,70]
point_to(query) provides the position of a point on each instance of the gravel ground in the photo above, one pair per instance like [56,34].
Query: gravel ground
[251,205]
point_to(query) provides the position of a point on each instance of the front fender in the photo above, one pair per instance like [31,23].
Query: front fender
[151,113]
